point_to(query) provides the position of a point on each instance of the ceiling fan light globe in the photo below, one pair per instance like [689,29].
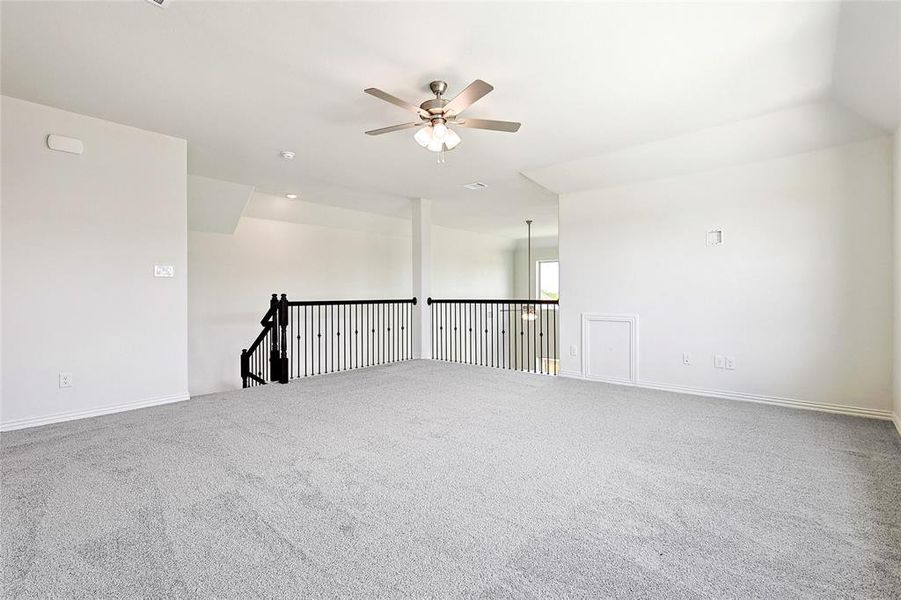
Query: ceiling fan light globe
[435,145]
[439,130]
[423,136]
[451,139]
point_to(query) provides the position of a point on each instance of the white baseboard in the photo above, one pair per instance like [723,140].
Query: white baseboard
[856,411]
[90,412]
[897,419]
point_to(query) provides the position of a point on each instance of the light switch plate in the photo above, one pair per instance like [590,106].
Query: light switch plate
[719,361]
[163,271]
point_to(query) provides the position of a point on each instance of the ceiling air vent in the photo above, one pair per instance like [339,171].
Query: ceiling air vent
[160,3]
[478,185]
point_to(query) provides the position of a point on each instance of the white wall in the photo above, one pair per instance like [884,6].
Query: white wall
[311,251]
[470,265]
[542,249]
[896,169]
[800,292]
[80,237]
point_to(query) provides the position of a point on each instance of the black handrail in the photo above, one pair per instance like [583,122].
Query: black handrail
[348,302]
[489,301]
[312,337]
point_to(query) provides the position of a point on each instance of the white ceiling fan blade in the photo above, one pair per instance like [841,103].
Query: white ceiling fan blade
[393,128]
[508,126]
[475,90]
[395,101]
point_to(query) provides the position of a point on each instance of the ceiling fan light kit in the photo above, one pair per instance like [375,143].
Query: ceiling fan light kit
[435,115]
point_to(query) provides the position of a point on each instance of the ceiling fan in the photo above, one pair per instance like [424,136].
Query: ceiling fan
[437,113]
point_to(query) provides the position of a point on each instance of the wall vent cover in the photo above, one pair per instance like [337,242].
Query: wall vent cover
[477,185]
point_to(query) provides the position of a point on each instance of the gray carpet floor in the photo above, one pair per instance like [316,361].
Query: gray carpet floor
[433,480]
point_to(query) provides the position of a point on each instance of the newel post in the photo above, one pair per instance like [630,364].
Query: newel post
[245,367]
[283,324]
[274,362]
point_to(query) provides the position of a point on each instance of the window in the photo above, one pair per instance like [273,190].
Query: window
[548,280]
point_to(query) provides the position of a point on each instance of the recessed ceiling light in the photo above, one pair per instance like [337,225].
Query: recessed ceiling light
[291,196]
[287,154]
[476,185]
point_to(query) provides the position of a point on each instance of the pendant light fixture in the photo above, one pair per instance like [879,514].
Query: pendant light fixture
[529,313]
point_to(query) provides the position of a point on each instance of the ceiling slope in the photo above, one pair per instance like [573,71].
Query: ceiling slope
[781,133]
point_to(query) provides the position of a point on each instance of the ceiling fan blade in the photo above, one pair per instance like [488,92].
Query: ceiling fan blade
[393,128]
[465,99]
[508,126]
[395,101]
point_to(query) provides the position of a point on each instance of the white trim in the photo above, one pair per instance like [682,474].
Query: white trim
[90,412]
[897,419]
[632,320]
[857,411]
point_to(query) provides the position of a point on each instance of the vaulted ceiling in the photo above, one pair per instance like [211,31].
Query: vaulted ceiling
[598,88]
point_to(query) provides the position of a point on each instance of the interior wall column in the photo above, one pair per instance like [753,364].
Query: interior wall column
[422,271]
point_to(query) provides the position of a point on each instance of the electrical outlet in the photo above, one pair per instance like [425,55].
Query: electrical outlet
[730,362]
[719,361]
[65,380]
[573,350]
[686,358]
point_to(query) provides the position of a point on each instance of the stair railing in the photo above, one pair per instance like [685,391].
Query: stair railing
[305,338]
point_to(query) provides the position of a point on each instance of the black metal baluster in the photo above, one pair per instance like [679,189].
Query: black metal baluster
[556,355]
[514,339]
[484,329]
[478,329]
[291,327]
[492,335]
[452,308]
[316,351]
[521,338]
[474,330]
[540,339]
[486,358]
[457,332]
[530,341]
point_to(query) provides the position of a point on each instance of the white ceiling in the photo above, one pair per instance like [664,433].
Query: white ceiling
[242,81]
